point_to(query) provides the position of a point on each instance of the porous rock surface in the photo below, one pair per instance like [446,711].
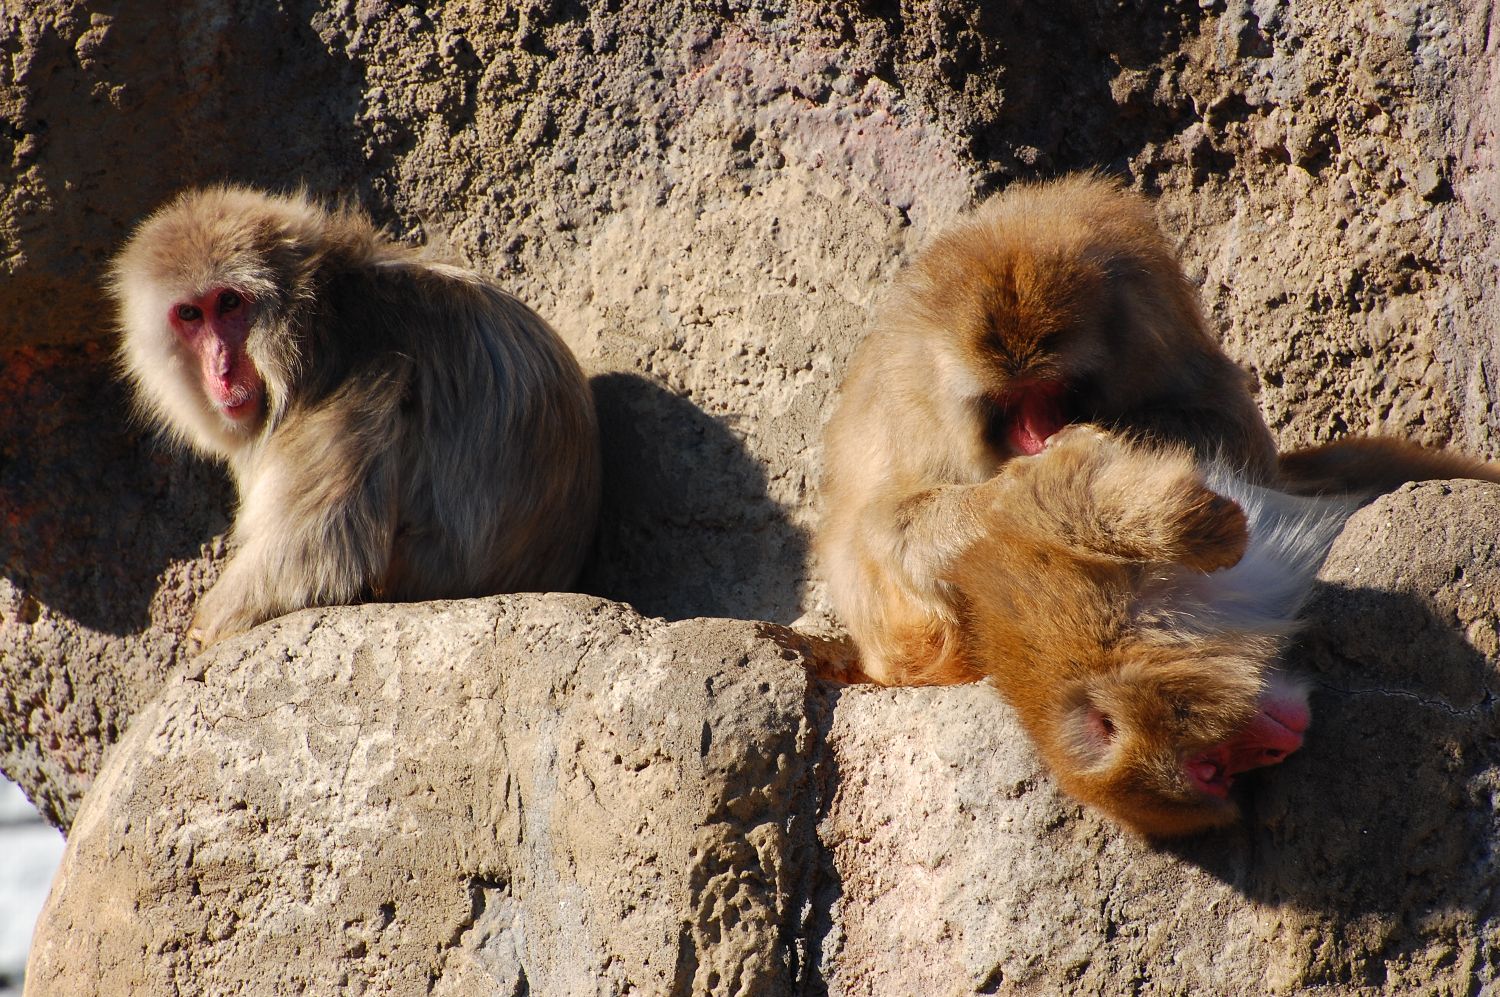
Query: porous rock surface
[552,794]
[556,795]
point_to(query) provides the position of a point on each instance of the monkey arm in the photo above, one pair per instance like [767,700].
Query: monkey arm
[1101,496]
[1231,432]
[318,512]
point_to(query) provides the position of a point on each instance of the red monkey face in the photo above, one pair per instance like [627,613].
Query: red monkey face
[1161,753]
[1026,330]
[213,326]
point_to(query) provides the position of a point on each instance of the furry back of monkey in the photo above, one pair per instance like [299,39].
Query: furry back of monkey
[398,428]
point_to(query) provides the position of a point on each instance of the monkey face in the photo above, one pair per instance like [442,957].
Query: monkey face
[213,327]
[1158,745]
[200,285]
[1027,328]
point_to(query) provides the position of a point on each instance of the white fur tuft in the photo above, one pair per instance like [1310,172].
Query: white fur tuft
[1290,536]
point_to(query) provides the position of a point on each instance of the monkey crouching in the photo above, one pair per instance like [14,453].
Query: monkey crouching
[1025,480]
[397,428]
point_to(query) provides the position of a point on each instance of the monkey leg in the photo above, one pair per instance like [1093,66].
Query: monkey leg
[317,514]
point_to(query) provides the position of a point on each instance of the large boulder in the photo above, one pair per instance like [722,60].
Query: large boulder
[520,795]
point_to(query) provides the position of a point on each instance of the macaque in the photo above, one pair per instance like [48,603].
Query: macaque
[1133,607]
[1093,573]
[397,428]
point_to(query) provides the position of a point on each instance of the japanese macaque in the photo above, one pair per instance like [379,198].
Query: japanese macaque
[1095,574]
[1133,607]
[397,428]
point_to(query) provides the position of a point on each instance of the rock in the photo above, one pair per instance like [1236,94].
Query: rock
[707,206]
[514,795]
[552,794]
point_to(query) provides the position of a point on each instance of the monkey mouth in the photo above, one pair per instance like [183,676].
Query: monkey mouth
[1033,413]
[1274,734]
[239,403]
[1208,775]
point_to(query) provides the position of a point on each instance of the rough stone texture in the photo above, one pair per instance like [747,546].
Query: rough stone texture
[706,200]
[553,795]
[105,543]
[543,795]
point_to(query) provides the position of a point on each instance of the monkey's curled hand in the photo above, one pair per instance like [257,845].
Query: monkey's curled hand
[1101,494]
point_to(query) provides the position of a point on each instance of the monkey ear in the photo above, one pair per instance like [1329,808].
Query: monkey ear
[1086,730]
[1289,537]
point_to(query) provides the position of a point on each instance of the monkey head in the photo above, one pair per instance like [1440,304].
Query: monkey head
[1060,306]
[206,288]
[1148,689]
[1158,739]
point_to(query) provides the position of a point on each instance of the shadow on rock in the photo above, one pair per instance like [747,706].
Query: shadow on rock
[93,509]
[687,528]
[1386,817]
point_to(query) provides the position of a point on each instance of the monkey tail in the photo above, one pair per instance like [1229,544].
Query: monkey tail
[1373,465]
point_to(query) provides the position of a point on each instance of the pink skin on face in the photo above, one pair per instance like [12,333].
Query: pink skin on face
[1036,414]
[1275,733]
[214,327]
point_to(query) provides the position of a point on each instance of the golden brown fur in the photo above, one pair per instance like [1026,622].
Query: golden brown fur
[405,429]
[968,534]
[1092,592]
[1068,285]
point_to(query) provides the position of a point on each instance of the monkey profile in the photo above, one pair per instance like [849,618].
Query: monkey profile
[1057,305]
[397,428]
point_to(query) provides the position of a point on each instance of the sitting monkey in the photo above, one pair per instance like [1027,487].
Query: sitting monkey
[397,428]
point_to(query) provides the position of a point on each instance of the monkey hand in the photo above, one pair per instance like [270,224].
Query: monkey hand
[1107,495]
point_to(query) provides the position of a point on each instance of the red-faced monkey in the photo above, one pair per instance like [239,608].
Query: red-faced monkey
[1133,607]
[397,428]
[1052,305]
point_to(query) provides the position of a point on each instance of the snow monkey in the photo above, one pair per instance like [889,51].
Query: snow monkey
[397,428]
[1127,585]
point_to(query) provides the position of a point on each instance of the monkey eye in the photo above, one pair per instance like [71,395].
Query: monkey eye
[189,313]
[228,302]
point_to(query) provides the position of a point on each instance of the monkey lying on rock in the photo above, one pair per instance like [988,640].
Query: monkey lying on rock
[1099,576]
[1133,610]
[397,428]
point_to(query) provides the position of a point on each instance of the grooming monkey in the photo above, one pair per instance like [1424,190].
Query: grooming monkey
[1053,305]
[397,428]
